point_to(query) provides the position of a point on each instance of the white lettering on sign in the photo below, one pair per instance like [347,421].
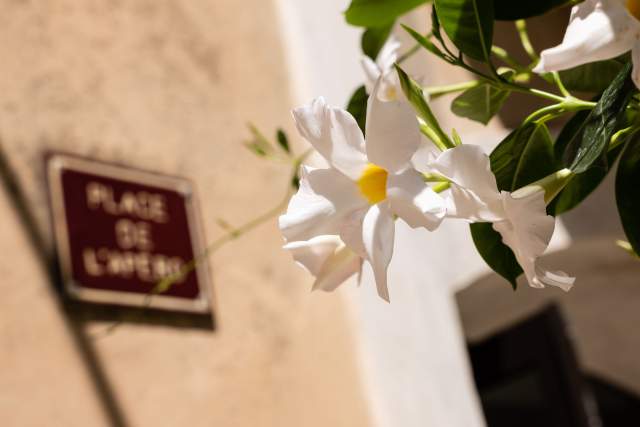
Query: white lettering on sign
[140,204]
[133,257]
[130,234]
[145,266]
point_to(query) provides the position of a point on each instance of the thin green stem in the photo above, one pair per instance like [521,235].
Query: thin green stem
[561,87]
[505,57]
[409,53]
[521,26]
[437,91]
[231,235]
[552,111]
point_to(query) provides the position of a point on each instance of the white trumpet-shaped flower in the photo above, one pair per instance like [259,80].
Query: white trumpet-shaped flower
[366,185]
[520,218]
[382,69]
[598,30]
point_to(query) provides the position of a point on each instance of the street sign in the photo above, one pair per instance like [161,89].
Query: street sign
[119,231]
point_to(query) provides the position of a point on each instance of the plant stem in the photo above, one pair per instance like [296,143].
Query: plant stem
[521,26]
[505,57]
[561,87]
[409,53]
[437,91]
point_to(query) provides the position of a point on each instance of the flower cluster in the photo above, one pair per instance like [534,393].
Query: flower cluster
[387,158]
[344,215]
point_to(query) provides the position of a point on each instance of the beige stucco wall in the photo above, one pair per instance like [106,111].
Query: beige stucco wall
[166,86]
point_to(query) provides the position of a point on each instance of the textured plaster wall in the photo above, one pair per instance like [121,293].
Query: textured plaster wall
[165,86]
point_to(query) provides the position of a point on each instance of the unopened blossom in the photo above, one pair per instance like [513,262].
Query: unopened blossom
[366,185]
[382,69]
[598,30]
[520,217]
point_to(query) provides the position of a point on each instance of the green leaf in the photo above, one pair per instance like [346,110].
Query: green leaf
[479,103]
[378,13]
[283,141]
[510,10]
[590,145]
[496,254]
[357,106]
[373,38]
[582,184]
[423,41]
[259,144]
[413,92]
[523,157]
[593,77]
[627,184]
[469,25]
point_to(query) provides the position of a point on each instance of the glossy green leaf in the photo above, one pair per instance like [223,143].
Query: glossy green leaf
[510,10]
[496,254]
[357,106]
[582,184]
[415,95]
[378,13]
[523,157]
[627,185]
[480,103]
[590,145]
[469,25]
[593,77]
[373,38]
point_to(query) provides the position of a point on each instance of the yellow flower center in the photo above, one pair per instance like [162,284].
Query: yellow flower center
[633,6]
[373,183]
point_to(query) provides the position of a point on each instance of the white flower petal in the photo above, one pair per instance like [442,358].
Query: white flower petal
[527,231]
[327,258]
[390,89]
[351,231]
[378,230]
[324,200]
[335,134]
[474,192]
[597,30]
[313,254]
[559,279]
[393,135]
[341,266]
[414,201]
[371,73]
[388,55]
[426,154]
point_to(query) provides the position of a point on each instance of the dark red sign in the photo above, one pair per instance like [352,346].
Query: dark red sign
[120,231]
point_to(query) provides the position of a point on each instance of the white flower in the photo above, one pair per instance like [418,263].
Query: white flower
[327,258]
[366,184]
[598,30]
[382,69]
[520,217]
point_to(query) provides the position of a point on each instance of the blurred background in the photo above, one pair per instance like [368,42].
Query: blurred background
[169,86]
